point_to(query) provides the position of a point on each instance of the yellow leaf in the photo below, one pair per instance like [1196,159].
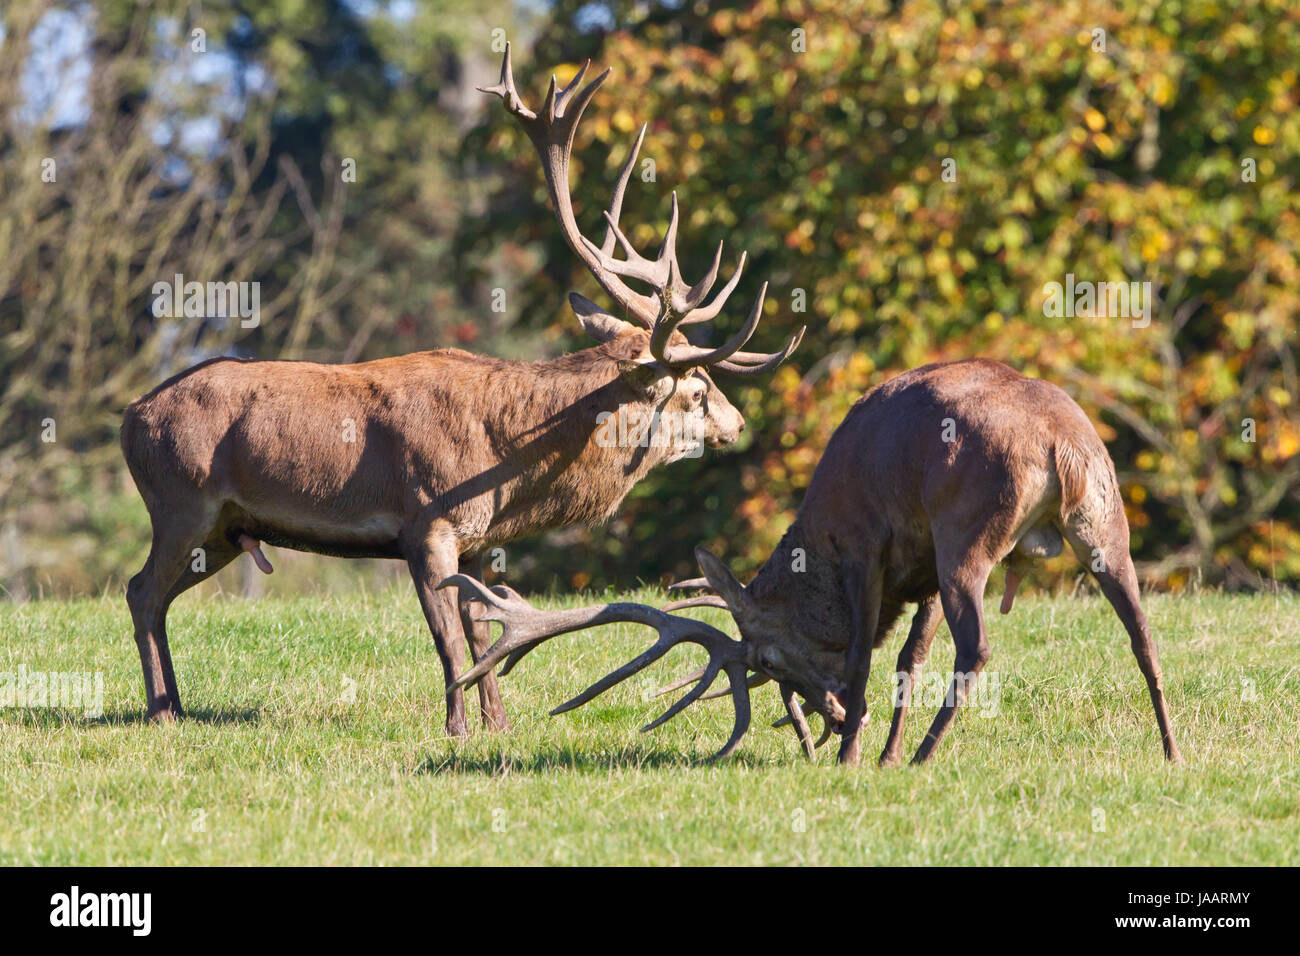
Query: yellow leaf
[623,121]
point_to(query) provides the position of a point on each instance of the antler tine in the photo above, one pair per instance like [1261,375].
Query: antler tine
[740,698]
[681,682]
[548,102]
[692,584]
[634,666]
[829,726]
[552,135]
[693,355]
[654,272]
[512,659]
[754,363]
[685,301]
[756,679]
[558,99]
[673,302]
[700,600]
[827,730]
[505,88]
[706,312]
[738,687]
[675,286]
[616,202]
[524,627]
[797,718]
[710,675]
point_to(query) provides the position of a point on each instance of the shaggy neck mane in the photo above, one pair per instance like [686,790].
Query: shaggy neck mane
[801,565]
[543,418]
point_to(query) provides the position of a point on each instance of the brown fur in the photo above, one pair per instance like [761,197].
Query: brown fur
[895,514]
[453,453]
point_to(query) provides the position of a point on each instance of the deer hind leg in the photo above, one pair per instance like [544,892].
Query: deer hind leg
[183,553]
[431,556]
[1112,566]
[929,613]
[961,591]
[479,635]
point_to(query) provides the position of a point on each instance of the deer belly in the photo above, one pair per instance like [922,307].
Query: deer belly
[345,536]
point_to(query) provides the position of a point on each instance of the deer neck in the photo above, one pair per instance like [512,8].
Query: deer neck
[569,472]
[803,581]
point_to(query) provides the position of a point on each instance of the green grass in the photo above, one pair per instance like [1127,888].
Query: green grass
[275,766]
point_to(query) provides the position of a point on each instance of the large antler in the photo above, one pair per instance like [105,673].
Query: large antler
[794,711]
[674,302]
[525,627]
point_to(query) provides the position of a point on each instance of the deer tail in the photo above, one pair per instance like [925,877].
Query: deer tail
[1072,472]
[130,435]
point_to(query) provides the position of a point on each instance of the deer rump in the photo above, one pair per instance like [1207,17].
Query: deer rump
[949,453]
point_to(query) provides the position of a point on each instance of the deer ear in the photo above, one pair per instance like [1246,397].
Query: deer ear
[722,580]
[601,326]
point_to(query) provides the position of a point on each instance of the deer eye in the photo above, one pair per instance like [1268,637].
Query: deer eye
[769,658]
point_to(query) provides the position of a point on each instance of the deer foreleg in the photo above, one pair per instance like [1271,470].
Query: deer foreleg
[432,556]
[863,586]
[479,635]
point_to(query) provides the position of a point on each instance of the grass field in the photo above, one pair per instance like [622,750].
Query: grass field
[276,764]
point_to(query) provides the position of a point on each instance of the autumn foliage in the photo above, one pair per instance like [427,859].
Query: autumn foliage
[909,178]
[915,175]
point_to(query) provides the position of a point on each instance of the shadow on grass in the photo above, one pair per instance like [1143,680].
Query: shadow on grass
[202,715]
[556,759]
[72,716]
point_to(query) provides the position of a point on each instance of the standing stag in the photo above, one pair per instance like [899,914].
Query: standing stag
[931,479]
[436,456]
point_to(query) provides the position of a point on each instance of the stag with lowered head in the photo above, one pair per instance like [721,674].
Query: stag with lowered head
[434,457]
[931,480]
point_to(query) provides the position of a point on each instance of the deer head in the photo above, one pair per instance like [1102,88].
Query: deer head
[661,365]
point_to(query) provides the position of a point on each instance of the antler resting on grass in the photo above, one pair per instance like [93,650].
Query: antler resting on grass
[524,627]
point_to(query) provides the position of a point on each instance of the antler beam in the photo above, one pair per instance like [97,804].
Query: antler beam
[524,627]
[673,302]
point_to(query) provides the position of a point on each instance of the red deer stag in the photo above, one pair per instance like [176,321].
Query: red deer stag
[436,456]
[931,480]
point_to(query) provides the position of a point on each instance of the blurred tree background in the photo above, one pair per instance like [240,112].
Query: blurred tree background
[907,176]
